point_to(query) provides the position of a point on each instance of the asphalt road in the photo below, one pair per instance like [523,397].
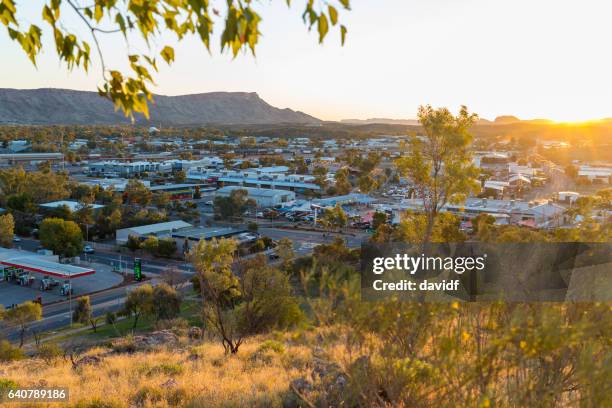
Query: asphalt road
[57,315]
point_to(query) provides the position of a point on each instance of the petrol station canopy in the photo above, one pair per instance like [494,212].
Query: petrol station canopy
[41,264]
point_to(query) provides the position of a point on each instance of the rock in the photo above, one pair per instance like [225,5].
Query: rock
[195,333]
[301,385]
[341,381]
[88,360]
[169,384]
[157,338]
[322,368]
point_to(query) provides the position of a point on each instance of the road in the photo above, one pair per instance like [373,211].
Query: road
[305,241]
[57,315]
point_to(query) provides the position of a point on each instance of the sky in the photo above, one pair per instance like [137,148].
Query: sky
[529,58]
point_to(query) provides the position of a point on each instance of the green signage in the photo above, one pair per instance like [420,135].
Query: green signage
[137,269]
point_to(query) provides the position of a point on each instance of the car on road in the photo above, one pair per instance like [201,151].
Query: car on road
[209,202]
[88,249]
[16,238]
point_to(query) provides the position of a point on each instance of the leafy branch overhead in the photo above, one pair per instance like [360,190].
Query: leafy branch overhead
[149,19]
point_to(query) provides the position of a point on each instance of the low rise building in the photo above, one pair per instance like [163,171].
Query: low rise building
[159,230]
[540,214]
[599,174]
[264,197]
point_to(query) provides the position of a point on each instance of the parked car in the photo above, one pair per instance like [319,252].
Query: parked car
[16,238]
[88,249]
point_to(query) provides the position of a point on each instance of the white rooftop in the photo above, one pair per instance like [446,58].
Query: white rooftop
[73,205]
[160,227]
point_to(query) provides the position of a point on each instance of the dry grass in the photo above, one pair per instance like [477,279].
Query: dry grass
[253,377]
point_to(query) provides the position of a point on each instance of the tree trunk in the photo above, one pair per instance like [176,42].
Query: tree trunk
[21,336]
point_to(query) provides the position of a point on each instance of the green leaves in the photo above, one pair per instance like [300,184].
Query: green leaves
[29,41]
[241,28]
[322,27]
[7,12]
[168,54]
[333,14]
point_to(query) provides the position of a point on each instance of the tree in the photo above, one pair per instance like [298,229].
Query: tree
[7,230]
[62,237]
[320,174]
[161,199]
[197,194]
[152,20]
[22,315]
[366,184]
[166,247]
[482,225]
[179,176]
[379,218]
[237,308]
[412,229]
[232,206]
[166,302]
[137,193]
[284,249]
[38,187]
[151,244]
[265,302]
[343,185]
[82,310]
[335,217]
[440,163]
[139,302]
[133,243]
[219,288]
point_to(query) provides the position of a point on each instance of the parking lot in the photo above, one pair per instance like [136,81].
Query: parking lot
[12,293]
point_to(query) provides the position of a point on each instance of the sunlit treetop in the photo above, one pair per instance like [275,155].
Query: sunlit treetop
[129,91]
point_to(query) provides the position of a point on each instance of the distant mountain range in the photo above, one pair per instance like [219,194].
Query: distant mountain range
[380,121]
[63,106]
[500,120]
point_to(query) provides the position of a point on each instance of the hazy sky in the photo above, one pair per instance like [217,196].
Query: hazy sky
[529,58]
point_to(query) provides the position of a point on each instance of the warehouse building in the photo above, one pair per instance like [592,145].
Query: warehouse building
[160,230]
[264,197]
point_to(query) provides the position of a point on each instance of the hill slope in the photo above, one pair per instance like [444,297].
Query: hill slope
[64,106]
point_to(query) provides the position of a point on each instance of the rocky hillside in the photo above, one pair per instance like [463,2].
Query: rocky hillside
[63,106]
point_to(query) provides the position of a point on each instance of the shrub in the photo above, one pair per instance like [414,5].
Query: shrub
[177,325]
[49,352]
[169,369]
[110,317]
[166,247]
[7,385]
[151,245]
[147,394]
[8,352]
[272,345]
[166,302]
[98,403]
[133,243]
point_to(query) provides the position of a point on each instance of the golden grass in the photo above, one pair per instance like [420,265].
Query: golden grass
[251,378]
